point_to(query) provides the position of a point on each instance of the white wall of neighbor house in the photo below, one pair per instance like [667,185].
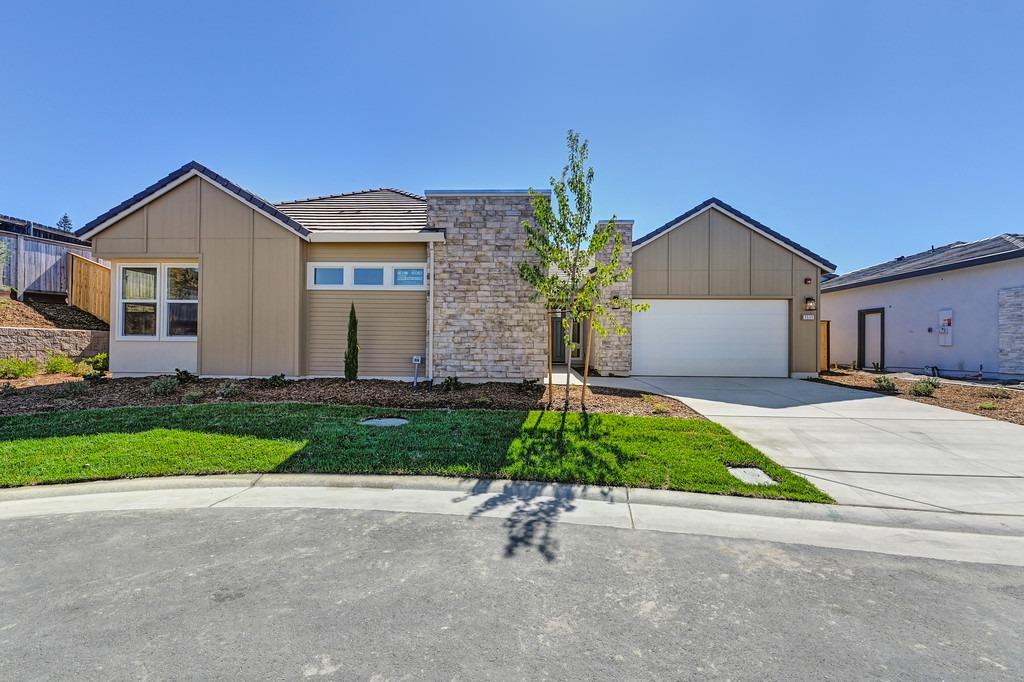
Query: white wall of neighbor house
[912,307]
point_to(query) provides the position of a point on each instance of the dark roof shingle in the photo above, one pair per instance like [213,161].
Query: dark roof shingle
[384,209]
[937,259]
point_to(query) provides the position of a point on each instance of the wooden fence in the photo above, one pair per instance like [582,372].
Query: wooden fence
[34,264]
[825,343]
[89,288]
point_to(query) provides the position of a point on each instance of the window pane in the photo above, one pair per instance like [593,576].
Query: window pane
[138,283]
[183,284]
[182,319]
[331,276]
[409,277]
[368,276]
[139,319]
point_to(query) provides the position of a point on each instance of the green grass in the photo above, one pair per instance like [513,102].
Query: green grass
[653,452]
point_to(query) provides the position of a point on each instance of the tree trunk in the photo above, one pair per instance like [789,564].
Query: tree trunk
[567,337]
[586,361]
[551,373]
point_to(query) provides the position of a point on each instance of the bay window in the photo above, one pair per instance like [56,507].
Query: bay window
[158,301]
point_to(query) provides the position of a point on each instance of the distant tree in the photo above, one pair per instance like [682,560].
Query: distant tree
[352,350]
[573,262]
[64,223]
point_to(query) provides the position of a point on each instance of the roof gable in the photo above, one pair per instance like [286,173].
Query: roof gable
[937,259]
[177,177]
[744,219]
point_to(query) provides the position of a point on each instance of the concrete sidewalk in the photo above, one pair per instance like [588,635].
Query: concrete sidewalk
[863,448]
[955,537]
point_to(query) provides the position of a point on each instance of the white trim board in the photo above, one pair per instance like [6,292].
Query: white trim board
[746,224]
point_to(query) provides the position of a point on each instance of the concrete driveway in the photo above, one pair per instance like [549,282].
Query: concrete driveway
[864,448]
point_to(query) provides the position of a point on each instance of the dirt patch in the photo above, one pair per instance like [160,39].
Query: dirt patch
[1003,404]
[47,393]
[45,312]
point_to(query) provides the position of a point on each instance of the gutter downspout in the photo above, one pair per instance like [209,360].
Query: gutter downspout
[430,315]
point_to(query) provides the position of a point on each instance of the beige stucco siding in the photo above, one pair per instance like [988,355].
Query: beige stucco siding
[392,328]
[712,255]
[250,279]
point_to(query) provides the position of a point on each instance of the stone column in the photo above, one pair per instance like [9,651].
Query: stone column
[613,354]
[485,325]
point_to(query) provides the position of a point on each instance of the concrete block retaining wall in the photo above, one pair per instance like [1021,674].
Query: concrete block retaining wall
[28,342]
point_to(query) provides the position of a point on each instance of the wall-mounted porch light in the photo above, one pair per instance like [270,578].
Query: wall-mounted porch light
[810,304]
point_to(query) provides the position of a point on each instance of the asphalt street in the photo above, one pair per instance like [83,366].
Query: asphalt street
[349,594]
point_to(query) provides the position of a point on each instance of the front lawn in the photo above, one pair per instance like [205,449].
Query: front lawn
[600,449]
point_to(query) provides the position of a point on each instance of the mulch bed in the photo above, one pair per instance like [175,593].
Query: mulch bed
[45,312]
[962,397]
[51,392]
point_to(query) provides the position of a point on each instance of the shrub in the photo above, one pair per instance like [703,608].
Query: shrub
[988,406]
[275,381]
[997,392]
[164,386]
[193,397]
[95,375]
[7,389]
[58,364]
[184,376]
[923,388]
[82,368]
[451,384]
[352,346]
[99,362]
[13,368]
[74,388]
[885,384]
[228,390]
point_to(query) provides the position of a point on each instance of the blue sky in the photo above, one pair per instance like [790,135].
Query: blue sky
[862,130]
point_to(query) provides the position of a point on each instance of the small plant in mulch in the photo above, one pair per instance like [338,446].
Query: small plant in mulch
[95,375]
[14,368]
[163,387]
[998,393]
[99,362]
[7,389]
[451,384]
[193,397]
[352,346]
[185,377]
[74,389]
[886,384]
[988,406]
[229,390]
[923,388]
[275,381]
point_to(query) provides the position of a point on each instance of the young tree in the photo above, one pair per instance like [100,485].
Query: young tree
[64,223]
[352,350]
[573,263]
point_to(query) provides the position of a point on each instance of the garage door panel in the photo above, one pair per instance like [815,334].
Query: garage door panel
[712,338]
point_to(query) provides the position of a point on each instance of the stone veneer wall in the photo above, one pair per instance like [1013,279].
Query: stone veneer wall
[1011,330]
[613,354]
[485,325]
[28,343]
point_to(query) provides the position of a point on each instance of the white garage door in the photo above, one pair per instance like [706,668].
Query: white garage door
[726,338]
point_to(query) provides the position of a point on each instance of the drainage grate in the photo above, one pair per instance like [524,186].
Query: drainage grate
[752,475]
[384,421]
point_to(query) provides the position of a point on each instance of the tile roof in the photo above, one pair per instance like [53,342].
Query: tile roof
[243,194]
[937,259]
[383,209]
[729,209]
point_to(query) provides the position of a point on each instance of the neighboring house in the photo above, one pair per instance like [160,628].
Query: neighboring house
[211,278]
[956,309]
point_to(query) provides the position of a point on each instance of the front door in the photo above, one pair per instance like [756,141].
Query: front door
[558,340]
[871,338]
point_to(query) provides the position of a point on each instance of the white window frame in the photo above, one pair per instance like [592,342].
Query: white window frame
[166,301]
[161,302]
[349,276]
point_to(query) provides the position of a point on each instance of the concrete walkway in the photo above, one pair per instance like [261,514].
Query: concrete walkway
[535,507]
[863,448]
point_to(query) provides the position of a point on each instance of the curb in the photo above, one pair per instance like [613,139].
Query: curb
[783,509]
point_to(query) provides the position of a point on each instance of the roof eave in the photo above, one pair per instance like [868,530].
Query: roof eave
[960,265]
[335,236]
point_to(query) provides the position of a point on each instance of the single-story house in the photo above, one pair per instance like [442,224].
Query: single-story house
[955,310]
[211,278]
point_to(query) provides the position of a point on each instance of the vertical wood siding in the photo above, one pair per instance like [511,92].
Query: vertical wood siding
[89,288]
